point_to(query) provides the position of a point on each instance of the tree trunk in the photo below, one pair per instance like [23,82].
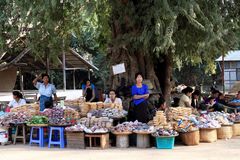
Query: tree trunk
[164,75]
[135,60]
[167,78]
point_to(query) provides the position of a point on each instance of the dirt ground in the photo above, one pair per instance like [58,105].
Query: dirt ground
[220,150]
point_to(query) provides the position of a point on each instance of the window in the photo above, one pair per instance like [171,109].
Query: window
[238,64]
[233,65]
[238,74]
[226,65]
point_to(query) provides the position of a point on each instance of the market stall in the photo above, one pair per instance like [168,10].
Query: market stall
[90,125]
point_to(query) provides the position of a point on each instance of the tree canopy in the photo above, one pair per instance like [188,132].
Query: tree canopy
[141,33]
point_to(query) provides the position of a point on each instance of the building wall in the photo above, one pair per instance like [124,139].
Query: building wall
[231,74]
[8,79]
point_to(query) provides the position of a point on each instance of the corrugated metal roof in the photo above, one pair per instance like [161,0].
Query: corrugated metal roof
[231,56]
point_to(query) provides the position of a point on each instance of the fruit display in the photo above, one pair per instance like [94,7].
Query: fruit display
[76,128]
[20,117]
[179,113]
[206,121]
[143,128]
[32,109]
[47,112]
[186,126]
[5,119]
[159,118]
[96,129]
[221,117]
[57,117]
[109,112]
[71,113]
[14,118]
[132,126]
[103,122]
[234,117]
[74,103]
[164,132]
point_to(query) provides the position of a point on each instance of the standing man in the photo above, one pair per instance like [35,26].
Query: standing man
[45,89]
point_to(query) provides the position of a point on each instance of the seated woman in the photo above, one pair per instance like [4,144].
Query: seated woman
[17,100]
[185,100]
[112,99]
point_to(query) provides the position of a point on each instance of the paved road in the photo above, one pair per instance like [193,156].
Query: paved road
[220,150]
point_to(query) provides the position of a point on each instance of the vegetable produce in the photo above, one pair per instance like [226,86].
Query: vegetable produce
[38,120]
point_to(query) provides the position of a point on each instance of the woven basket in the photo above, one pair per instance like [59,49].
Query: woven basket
[208,135]
[190,138]
[236,129]
[225,132]
[121,133]
[37,125]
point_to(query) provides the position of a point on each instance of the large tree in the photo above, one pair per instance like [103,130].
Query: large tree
[148,36]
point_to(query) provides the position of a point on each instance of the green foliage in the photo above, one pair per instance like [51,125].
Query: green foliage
[192,30]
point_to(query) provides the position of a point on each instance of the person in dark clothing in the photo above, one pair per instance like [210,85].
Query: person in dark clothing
[221,99]
[88,91]
[140,95]
[195,99]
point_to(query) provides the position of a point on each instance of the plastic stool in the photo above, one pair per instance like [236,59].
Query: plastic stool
[60,141]
[40,136]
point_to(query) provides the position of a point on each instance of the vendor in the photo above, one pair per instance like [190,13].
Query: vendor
[17,100]
[112,99]
[185,100]
[45,89]
[195,99]
[89,91]
[140,95]
[236,101]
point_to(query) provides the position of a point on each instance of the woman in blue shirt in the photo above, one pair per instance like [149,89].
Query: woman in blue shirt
[140,95]
[45,89]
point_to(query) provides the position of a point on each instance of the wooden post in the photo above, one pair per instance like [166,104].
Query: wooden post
[21,80]
[89,75]
[223,83]
[64,68]
[74,81]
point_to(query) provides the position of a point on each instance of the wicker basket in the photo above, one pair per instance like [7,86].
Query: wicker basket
[32,109]
[190,138]
[37,125]
[225,132]
[236,129]
[208,135]
[121,133]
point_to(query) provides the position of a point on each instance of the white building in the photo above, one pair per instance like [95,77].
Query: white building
[231,68]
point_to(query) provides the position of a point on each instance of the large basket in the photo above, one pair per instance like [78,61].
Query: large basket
[225,132]
[208,135]
[37,125]
[236,129]
[190,138]
[121,133]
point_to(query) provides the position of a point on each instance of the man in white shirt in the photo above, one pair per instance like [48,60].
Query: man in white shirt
[112,99]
